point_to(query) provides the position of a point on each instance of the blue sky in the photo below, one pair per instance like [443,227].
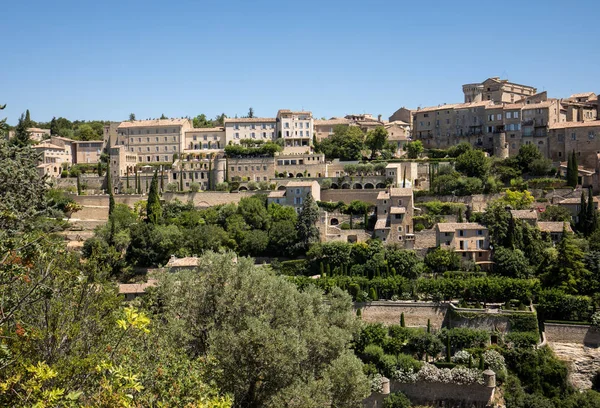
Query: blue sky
[102,60]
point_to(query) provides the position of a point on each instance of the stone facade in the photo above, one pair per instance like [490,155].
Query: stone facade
[571,333]
[394,216]
[470,240]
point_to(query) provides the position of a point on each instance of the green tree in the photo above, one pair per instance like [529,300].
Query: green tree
[473,163]
[511,263]
[250,112]
[441,260]
[154,208]
[572,171]
[414,149]
[294,345]
[528,153]
[306,228]
[396,400]
[346,143]
[132,117]
[376,140]
[22,136]
[555,213]
[569,269]
[23,189]
[201,121]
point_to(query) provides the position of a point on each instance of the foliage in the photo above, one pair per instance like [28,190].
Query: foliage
[253,149]
[289,341]
[572,170]
[376,140]
[441,260]
[346,143]
[511,263]
[414,149]
[555,213]
[554,304]
[305,227]
[473,163]
[396,400]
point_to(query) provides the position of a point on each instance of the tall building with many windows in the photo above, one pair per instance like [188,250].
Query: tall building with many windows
[258,129]
[296,129]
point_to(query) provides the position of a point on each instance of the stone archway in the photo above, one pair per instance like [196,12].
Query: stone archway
[291,175]
[380,185]
[346,186]
[281,188]
[369,186]
[299,175]
[281,175]
[334,221]
[334,186]
[357,186]
[243,188]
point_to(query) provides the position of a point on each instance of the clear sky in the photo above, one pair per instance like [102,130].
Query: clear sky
[105,59]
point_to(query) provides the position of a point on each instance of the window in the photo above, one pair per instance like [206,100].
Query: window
[516,115]
[461,233]
[499,116]
[508,115]
[573,136]
[298,200]
[479,232]
[237,135]
[252,127]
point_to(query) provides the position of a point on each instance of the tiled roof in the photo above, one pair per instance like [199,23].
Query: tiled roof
[524,214]
[48,146]
[213,129]
[37,130]
[582,95]
[453,226]
[398,210]
[381,224]
[575,200]
[545,104]
[553,226]
[567,125]
[397,191]
[383,195]
[436,108]
[152,122]
[180,262]
[277,194]
[249,120]
[132,288]
[332,122]
[396,123]
[293,112]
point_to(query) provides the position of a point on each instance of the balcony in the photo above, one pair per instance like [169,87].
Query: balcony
[499,129]
[529,122]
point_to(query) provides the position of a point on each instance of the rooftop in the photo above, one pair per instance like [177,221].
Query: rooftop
[301,183]
[211,129]
[453,226]
[47,146]
[553,226]
[277,194]
[381,224]
[568,125]
[398,210]
[249,120]
[398,191]
[132,288]
[287,111]
[524,214]
[152,122]
[182,262]
[332,122]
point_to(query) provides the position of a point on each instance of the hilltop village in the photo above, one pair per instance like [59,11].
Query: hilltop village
[447,255]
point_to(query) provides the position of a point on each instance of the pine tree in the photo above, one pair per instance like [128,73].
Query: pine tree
[22,136]
[569,270]
[153,208]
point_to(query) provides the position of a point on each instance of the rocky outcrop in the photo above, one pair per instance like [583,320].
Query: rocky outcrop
[584,362]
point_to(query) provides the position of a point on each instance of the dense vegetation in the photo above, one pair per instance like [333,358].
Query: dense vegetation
[350,143]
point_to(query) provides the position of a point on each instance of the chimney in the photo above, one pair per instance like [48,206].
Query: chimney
[379,118]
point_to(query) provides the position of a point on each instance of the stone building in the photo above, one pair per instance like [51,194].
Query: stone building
[259,129]
[296,130]
[496,90]
[323,128]
[469,239]
[294,194]
[300,165]
[394,216]
[403,115]
[205,140]
[581,137]
[156,140]
[250,168]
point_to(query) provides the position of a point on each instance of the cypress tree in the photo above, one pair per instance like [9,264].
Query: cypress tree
[139,183]
[481,363]
[27,118]
[404,178]
[111,198]
[591,213]
[78,184]
[470,361]
[402,322]
[572,171]
[459,217]
[153,208]
[582,215]
[127,180]
[358,313]
[322,268]
[181,179]
[428,325]
[328,270]
[373,294]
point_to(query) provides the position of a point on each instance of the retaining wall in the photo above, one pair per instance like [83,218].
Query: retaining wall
[335,195]
[415,314]
[571,333]
[437,395]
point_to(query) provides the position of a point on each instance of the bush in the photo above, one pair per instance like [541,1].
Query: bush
[222,186]
[252,185]
[396,400]
[172,187]
[195,187]
[419,227]
[372,354]
[522,339]
[463,337]
[595,320]
[554,304]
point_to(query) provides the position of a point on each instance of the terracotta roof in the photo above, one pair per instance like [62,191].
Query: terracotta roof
[213,129]
[582,95]
[396,123]
[133,288]
[37,130]
[524,214]
[152,122]
[453,226]
[48,146]
[545,104]
[249,120]
[383,195]
[575,200]
[436,108]
[294,112]
[553,226]
[398,210]
[181,262]
[332,122]
[381,224]
[397,191]
[277,194]
[566,125]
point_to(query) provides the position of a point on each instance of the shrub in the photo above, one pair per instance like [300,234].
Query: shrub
[172,187]
[494,360]
[373,354]
[406,362]
[195,187]
[522,339]
[461,357]
[419,227]
[595,320]
[252,185]
[222,186]
[387,364]
[396,400]
[463,337]
[376,383]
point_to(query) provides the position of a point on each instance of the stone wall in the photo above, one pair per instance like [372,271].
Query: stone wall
[415,314]
[478,202]
[210,198]
[437,395]
[571,333]
[335,195]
